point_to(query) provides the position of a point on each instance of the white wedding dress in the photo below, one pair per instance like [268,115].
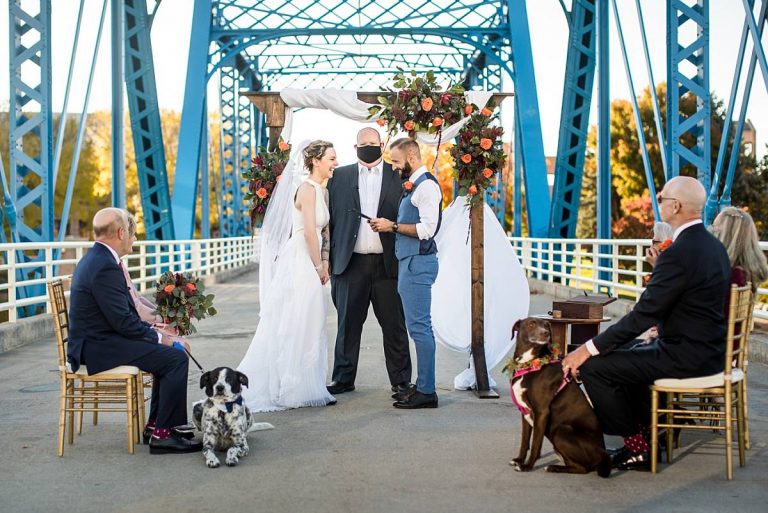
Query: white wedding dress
[287,360]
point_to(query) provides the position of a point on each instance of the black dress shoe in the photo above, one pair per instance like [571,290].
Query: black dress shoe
[417,400]
[339,388]
[173,444]
[403,391]
[624,459]
[186,431]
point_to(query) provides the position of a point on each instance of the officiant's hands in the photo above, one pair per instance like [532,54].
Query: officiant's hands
[381,225]
[574,360]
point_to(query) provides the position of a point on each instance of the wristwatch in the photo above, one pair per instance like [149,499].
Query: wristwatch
[394,227]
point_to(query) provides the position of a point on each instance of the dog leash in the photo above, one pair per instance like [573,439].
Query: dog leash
[193,359]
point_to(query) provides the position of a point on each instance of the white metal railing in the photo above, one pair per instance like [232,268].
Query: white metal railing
[148,260]
[598,265]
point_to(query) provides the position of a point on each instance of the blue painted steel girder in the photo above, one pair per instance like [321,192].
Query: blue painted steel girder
[534,165]
[145,122]
[682,14]
[185,180]
[31,168]
[31,165]
[235,154]
[574,119]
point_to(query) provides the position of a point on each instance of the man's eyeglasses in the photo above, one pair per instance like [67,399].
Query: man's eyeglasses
[661,198]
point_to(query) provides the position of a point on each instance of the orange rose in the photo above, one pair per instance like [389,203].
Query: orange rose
[487,172]
[486,112]
[437,121]
[408,125]
[283,145]
[555,350]
[261,193]
[408,185]
[486,143]
[468,110]
[535,362]
[664,245]
[466,158]
[426,104]
[381,122]
[191,286]
[472,190]
[168,289]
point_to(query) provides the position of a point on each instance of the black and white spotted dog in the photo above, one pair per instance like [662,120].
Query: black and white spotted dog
[223,418]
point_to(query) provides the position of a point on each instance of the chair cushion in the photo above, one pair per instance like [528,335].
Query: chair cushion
[83,371]
[715,380]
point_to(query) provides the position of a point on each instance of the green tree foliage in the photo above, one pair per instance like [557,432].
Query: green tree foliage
[631,216]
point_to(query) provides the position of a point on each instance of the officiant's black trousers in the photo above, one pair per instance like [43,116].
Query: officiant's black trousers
[365,281]
[170,368]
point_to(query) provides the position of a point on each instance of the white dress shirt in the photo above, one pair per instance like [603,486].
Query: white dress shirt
[426,197]
[369,188]
[591,345]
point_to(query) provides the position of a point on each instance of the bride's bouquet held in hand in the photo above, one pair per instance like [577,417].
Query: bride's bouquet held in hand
[181,297]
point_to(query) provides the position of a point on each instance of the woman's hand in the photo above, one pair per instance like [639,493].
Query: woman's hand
[651,255]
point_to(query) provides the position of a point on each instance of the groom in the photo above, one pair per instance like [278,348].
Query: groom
[363,264]
[418,221]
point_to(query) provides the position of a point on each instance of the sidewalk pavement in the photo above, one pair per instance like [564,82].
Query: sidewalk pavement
[361,455]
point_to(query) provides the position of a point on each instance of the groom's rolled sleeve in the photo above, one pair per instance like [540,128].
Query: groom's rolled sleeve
[427,200]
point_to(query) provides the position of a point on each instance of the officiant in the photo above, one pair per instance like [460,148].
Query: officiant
[363,265]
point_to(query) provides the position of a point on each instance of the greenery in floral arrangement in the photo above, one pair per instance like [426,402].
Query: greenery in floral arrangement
[420,105]
[511,366]
[179,298]
[263,177]
[478,153]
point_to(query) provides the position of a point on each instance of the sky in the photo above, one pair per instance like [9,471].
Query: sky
[549,33]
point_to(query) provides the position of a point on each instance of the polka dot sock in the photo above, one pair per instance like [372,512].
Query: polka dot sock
[161,433]
[151,424]
[636,443]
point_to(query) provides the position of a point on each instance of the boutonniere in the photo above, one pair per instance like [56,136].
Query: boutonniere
[664,245]
[407,186]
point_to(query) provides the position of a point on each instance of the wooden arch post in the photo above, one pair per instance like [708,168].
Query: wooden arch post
[273,107]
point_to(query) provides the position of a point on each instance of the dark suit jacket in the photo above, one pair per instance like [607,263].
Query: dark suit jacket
[685,299]
[105,329]
[343,195]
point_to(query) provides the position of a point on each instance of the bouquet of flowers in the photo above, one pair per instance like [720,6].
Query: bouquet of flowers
[179,298]
[263,177]
[478,154]
[420,106]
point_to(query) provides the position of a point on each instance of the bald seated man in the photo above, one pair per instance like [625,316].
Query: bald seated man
[107,332]
[685,299]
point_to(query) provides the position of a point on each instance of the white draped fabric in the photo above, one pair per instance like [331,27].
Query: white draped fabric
[506,289]
[346,104]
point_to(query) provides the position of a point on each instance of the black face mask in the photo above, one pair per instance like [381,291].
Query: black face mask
[369,154]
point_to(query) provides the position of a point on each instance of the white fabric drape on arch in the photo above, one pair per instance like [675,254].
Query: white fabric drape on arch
[346,104]
[506,297]
[506,288]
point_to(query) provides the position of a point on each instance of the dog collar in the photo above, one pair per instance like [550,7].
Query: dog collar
[227,407]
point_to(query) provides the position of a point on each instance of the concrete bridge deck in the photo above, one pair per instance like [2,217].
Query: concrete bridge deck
[361,455]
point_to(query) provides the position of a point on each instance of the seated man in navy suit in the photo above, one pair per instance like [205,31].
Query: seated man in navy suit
[106,331]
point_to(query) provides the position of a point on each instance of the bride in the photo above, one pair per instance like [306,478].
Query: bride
[287,360]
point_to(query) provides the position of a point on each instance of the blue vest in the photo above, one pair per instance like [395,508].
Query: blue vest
[406,246]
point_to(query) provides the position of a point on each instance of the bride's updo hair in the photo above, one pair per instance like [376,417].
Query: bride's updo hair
[315,150]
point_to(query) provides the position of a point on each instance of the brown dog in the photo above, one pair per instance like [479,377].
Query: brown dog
[551,406]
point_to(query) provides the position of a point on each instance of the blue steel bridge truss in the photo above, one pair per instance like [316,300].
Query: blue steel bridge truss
[261,45]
